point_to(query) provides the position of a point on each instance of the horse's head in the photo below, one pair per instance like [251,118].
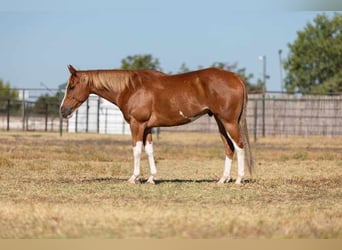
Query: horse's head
[77,91]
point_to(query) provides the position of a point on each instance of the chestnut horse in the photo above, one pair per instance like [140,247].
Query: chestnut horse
[149,98]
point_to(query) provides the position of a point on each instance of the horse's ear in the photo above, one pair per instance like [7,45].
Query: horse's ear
[72,69]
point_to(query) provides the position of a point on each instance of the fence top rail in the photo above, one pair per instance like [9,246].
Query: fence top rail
[296,98]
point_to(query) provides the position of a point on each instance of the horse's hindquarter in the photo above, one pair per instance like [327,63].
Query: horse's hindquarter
[226,93]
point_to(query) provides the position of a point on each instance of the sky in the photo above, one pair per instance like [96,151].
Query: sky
[38,39]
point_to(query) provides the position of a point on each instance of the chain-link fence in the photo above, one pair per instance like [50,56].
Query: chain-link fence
[30,110]
[275,114]
[271,114]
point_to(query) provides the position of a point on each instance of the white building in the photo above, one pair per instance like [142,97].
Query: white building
[97,115]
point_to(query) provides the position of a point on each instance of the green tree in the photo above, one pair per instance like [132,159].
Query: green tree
[145,61]
[314,64]
[8,93]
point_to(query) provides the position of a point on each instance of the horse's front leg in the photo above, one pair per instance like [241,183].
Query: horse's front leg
[149,152]
[137,155]
[137,130]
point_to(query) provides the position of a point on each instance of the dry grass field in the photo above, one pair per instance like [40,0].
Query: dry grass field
[75,187]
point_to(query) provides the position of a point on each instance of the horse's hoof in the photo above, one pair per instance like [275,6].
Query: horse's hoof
[239,180]
[151,180]
[223,180]
[133,180]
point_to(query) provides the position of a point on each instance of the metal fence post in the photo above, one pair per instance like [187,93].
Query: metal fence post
[46,116]
[98,115]
[60,125]
[87,116]
[23,113]
[263,114]
[255,120]
[26,117]
[76,122]
[8,114]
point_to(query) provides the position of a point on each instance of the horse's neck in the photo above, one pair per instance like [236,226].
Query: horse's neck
[110,86]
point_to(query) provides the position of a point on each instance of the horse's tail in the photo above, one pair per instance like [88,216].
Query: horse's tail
[244,132]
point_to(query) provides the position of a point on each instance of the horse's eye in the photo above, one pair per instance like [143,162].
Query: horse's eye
[71,87]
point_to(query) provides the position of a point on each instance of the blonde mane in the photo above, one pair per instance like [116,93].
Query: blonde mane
[115,80]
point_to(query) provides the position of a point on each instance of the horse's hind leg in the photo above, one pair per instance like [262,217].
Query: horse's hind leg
[227,164]
[229,150]
[149,152]
[234,133]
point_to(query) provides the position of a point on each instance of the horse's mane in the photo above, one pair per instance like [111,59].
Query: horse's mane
[116,80]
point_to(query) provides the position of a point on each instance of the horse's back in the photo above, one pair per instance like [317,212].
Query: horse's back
[209,76]
[215,75]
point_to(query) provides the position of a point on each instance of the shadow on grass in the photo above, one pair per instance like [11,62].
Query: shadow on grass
[158,181]
[144,180]
[198,181]
[104,179]
[162,181]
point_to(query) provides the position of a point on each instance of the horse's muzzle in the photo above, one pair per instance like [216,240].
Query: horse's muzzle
[65,112]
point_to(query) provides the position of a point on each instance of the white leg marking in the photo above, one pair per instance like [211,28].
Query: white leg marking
[137,155]
[240,152]
[153,169]
[226,171]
